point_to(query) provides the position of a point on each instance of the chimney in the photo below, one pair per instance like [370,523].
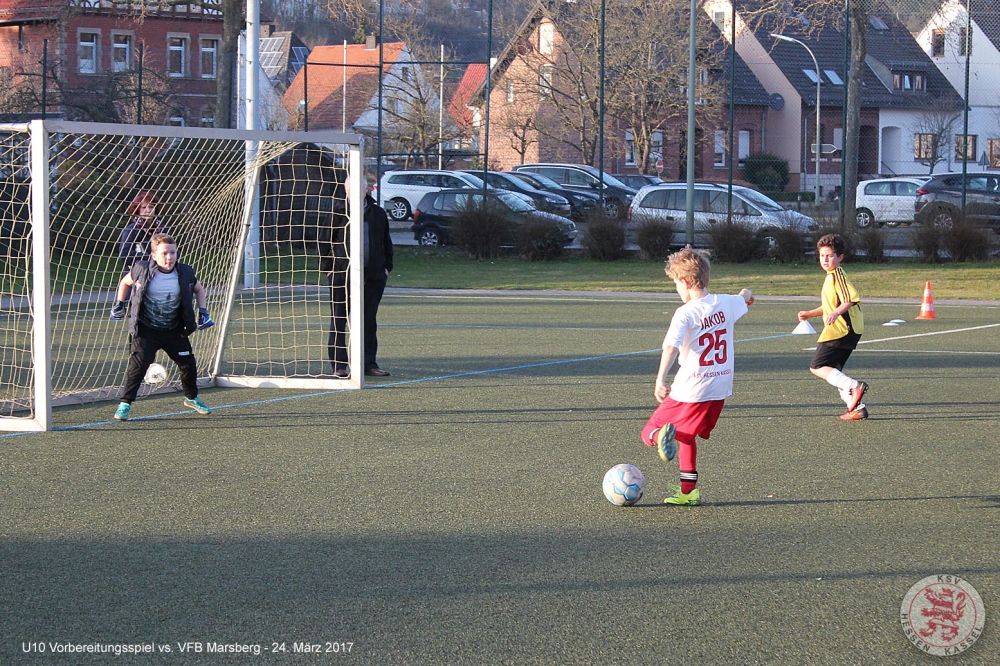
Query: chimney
[371,43]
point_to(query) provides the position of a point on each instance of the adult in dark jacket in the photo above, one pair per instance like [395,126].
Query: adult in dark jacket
[133,245]
[378,252]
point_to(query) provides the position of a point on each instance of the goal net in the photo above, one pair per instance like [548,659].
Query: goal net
[261,216]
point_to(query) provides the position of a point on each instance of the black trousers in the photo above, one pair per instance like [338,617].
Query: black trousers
[337,343]
[145,343]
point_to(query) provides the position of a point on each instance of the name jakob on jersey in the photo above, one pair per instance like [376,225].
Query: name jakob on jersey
[713,319]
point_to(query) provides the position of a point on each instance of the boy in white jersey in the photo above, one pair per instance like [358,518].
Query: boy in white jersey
[160,291]
[701,337]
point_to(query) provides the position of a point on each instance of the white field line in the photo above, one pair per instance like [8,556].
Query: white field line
[920,335]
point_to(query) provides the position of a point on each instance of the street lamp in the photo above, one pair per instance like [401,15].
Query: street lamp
[819,146]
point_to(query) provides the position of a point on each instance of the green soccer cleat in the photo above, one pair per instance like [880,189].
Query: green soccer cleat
[121,414]
[666,445]
[692,498]
[197,405]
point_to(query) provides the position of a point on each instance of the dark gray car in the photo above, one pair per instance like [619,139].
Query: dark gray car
[546,201]
[939,200]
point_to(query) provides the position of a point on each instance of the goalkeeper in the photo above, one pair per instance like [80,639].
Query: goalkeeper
[160,291]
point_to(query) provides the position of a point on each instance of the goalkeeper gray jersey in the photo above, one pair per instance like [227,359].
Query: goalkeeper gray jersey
[162,302]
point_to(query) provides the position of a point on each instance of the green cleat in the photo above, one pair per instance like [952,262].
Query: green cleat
[121,414]
[197,405]
[692,498]
[666,445]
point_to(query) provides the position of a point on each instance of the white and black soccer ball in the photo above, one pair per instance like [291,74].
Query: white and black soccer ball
[623,484]
[155,374]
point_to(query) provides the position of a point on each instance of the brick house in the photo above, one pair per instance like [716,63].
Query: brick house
[93,57]
[519,104]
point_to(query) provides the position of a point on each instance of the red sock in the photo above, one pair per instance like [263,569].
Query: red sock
[687,455]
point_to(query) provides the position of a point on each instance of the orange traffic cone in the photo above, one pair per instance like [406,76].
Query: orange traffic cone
[927,307]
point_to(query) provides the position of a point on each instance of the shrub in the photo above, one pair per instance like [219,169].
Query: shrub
[480,231]
[604,239]
[736,242]
[965,241]
[768,173]
[539,239]
[788,245]
[927,242]
[653,238]
[872,241]
[831,225]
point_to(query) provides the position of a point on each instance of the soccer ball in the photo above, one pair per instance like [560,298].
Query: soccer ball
[623,484]
[156,374]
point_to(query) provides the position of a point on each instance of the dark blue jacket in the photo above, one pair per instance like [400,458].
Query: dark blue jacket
[142,272]
[133,245]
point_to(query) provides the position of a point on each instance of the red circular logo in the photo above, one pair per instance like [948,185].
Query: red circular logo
[942,615]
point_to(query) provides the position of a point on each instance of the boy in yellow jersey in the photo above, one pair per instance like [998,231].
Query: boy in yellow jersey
[843,326]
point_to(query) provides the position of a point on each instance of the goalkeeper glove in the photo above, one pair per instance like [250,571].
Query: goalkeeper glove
[204,320]
[118,310]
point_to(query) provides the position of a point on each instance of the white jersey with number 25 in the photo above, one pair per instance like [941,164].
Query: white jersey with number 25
[702,332]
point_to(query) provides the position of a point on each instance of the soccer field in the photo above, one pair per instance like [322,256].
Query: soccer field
[453,514]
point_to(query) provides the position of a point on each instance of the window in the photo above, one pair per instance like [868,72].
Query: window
[656,145]
[881,189]
[629,148]
[811,74]
[743,146]
[834,78]
[878,23]
[993,152]
[937,42]
[510,90]
[720,149]
[209,48]
[545,81]
[176,121]
[580,178]
[963,42]
[838,138]
[86,53]
[121,52]
[546,38]
[924,146]
[909,82]
[969,149]
[176,56]
[208,117]
[719,19]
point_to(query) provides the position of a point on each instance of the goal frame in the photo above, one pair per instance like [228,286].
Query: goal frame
[40,296]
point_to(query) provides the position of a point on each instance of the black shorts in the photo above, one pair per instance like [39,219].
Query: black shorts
[834,353]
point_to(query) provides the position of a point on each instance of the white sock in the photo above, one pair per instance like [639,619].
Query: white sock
[845,395]
[840,380]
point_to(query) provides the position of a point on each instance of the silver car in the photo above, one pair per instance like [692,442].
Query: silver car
[668,202]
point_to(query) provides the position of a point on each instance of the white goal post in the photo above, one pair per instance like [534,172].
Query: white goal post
[67,192]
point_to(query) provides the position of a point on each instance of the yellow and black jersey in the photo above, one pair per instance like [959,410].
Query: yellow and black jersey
[838,290]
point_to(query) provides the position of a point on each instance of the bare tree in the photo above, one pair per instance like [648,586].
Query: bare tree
[645,78]
[932,132]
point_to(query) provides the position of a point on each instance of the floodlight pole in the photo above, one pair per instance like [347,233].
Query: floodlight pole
[819,146]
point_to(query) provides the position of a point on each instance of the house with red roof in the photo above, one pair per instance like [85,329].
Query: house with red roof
[91,52]
[339,83]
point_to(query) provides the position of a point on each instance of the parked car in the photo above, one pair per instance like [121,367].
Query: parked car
[581,203]
[401,191]
[638,181]
[886,201]
[617,195]
[668,202]
[939,200]
[434,215]
[545,201]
